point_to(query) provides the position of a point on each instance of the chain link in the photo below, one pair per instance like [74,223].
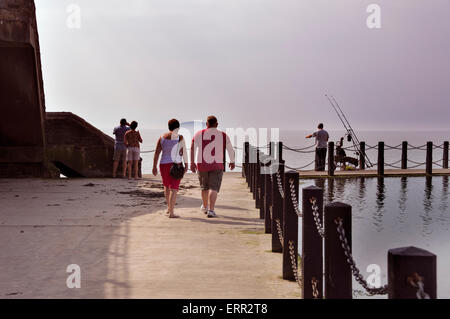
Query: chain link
[416,281]
[280,185]
[280,232]
[315,291]
[315,211]
[294,198]
[355,271]
[293,256]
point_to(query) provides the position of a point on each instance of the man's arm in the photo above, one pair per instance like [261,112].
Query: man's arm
[125,140]
[231,153]
[193,166]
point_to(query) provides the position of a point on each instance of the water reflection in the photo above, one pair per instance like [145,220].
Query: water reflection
[379,212]
[427,206]
[397,198]
[443,207]
[403,198]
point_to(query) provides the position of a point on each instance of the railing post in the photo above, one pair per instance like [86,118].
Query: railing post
[405,155]
[267,199]
[262,185]
[257,179]
[277,210]
[406,265]
[338,275]
[290,225]
[254,170]
[429,161]
[330,158]
[312,252]
[362,155]
[246,160]
[445,156]
[380,158]
[280,151]
[251,168]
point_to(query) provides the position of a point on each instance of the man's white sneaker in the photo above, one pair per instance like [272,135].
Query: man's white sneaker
[204,209]
[211,214]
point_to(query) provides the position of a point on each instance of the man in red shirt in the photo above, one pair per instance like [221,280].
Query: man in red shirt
[209,145]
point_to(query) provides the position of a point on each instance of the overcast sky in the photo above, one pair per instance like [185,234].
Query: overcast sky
[253,63]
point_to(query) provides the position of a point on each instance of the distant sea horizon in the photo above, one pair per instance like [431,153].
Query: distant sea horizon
[296,139]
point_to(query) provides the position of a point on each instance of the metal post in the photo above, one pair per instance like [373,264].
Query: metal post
[290,225]
[338,275]
[277,210]
[251,178]
[429,161]
[362,155]
[330,158]
[380,158]
[445,156]
[405,155]
[257,179]
[280,151]
[267,201]
[406,267]
[262,186]
[312,253]
[246,161]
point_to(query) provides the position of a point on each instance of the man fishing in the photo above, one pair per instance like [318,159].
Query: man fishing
[321,147]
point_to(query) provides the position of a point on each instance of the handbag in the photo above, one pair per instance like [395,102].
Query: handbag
[177,169]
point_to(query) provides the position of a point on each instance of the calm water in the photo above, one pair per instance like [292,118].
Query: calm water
[395,212]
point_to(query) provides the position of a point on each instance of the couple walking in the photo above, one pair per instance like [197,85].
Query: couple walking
[207,156]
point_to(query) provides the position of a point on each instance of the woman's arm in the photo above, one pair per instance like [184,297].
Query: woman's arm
[125,140]
[156,157]
[139,137]
[184,152]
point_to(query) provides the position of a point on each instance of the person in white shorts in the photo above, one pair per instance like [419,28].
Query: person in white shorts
[132,141]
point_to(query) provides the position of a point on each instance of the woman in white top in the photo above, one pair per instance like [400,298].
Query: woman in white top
[173,149]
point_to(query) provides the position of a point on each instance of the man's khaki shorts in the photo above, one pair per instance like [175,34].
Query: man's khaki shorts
[211,180]
[120,154]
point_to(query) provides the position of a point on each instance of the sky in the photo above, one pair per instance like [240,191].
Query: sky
[252,63]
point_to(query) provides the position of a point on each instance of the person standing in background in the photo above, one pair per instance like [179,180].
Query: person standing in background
[132,140]
[120,150]
[321,147]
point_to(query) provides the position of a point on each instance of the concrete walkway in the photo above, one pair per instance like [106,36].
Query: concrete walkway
[117,232]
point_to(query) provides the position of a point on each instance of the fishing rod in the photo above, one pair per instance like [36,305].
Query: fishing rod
[350,132]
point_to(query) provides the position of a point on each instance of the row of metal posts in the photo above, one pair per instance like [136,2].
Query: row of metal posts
[381,162]
[275,197]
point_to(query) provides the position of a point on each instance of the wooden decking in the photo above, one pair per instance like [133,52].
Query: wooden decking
[373,173]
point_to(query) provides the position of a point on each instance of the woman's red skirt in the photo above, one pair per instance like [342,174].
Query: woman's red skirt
[168,180]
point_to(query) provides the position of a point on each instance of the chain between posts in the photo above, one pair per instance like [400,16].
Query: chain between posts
[294,198]
[293,256]
[416,281]
[315,211]
[355,271]
[280,186]
[315,291]
[280,232]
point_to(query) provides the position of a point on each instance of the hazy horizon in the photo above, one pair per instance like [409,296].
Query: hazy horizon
[253,63]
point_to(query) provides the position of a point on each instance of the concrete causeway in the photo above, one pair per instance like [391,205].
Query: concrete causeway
[117,232]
